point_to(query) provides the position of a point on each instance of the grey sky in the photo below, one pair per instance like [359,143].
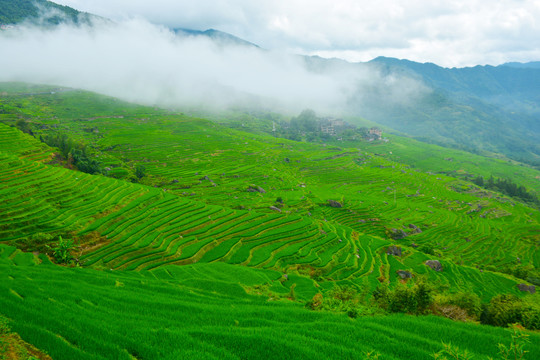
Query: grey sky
[447,32]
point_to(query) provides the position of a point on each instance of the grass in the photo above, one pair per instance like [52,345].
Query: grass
[201,311]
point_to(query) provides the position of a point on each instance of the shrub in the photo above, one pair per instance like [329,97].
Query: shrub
[427,249]
[344,299]
[140,171]
[507,309]
[459,306]
[423,293]
[404,298]
[62,251]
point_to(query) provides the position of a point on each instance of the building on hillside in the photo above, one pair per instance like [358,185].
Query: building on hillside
[375,133]
[328,129]
[332,126]
[337,122]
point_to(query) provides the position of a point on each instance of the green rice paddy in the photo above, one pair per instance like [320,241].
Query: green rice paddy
[170,257]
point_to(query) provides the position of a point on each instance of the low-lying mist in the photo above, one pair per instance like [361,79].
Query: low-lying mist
[149,64]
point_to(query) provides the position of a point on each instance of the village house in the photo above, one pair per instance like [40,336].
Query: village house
[375,133]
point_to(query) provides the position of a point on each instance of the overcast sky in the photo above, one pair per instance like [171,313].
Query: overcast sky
[446,32]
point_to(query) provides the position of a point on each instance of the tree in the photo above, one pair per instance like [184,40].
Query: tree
[140,171]
[83,162]
[24,126]
[306,121]
[62,251]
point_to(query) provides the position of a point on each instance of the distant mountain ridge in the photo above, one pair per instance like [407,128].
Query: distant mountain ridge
[531,64]
[479,80]
[17,11]
[217,35]
[481,108]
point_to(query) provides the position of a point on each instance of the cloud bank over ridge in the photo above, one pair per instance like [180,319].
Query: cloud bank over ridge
[145,63]
[449,33]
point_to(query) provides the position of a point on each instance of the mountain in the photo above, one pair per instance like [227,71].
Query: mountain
[532,64]
[482,109]
[16,11]
[216,35]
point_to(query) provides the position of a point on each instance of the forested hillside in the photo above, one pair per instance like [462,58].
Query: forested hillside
[484,109]
[16,11]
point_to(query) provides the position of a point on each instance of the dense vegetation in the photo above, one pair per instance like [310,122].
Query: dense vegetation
[484,109]
[16,11]
[321,239]
[507,187]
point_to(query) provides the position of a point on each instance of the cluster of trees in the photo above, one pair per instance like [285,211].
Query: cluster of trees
[507,187]
[78,154]
[83,162]
[74,151]
[16,11]
[414,299]
[344,299]
[24,126]
[526,272]
[506,309]
[421,297]
[307,126]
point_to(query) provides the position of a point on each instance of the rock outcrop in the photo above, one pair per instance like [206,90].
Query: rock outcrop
[404,274]
[434,264]
[334,204]
[415,229]
[397,234]
[393,250]
[527,288]
[255,188]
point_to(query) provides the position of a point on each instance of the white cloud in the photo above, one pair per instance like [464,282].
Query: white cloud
[137,61]
[450,33]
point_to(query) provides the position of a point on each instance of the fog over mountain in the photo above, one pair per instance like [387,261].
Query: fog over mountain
[454,33]
[137,61]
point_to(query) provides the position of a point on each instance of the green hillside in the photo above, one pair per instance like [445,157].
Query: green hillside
[201,217]
[133,227]
[202,312]
[17,11]
[482,109]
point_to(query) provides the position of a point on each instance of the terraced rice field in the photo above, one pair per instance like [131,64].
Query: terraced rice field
[142,228]
[198,159]
[178,312]
[228,233]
